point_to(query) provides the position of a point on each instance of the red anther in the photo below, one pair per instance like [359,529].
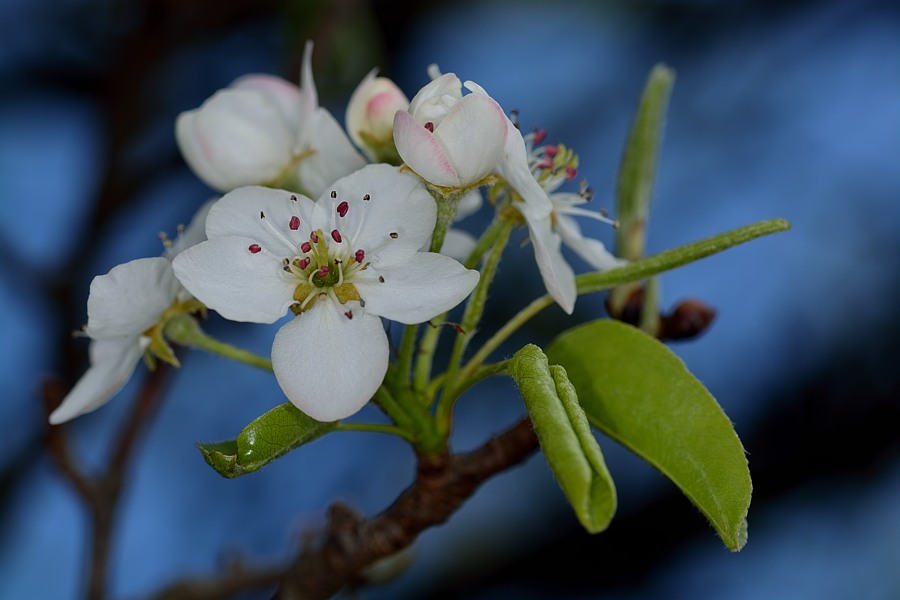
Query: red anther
[303,263]
[571,173]
[336,235]
[342,208]
[349,314]
[429,126]
[305,247]
[546,163]
[360,256]
[539,136]
[323,271]
[314,237]
[295,223]
[254,248]
[551,151]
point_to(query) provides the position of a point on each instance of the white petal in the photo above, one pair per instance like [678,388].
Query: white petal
[334,155]
[473,136]
[423,152]
[559,279]
[281,92]
[469,204]
[308,93]
[237,137]
[398,204]
[458,244]
[422,287]
[193,234]
[130,298]
[433,101]
[330,366]
[592,251]
[514,169]
[112,363]
[240,285]
[238,213]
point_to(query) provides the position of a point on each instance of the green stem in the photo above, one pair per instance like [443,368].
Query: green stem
[407,350]
[487,240]
[183,329]
[393,409]
[595,282]
[430,338]
[471,317]
[447,201]
[375,428]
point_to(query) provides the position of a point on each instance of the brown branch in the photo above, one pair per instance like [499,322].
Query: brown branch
[101,492]
[442,485]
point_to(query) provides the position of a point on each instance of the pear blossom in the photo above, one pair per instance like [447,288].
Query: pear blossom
[551,166]
[370,117]
[448,139]
[338,264]
[264,130]
[122,306]
[477,144]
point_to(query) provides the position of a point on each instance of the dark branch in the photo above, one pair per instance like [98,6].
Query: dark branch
[442,485]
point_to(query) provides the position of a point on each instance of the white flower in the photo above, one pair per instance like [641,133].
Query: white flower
[448,139]
[265,130]
[339,264]
[550,167]
[122,306]
[370,116]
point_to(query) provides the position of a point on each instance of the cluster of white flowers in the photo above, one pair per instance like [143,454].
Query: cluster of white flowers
[344,261]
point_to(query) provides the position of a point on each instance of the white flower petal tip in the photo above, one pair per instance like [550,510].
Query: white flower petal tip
[112,364]
[329,362]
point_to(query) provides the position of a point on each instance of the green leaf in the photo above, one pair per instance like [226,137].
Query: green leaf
[565,435]
[266,438]
[634,187]
[639,393]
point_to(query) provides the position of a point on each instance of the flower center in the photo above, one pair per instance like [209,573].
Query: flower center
[326,263]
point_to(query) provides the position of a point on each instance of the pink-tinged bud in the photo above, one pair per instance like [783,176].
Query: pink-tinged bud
[448,139]
[370,115]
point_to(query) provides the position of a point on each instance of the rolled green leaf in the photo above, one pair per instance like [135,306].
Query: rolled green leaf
[638,392]
[565,436]
[265,439]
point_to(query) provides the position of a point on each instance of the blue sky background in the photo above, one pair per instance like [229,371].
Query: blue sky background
[779,110]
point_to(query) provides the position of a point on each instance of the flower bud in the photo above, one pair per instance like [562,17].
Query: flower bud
[448,139]
[370,117]
[242,135]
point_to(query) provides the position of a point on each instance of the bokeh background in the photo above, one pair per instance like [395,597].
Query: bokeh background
[780,109]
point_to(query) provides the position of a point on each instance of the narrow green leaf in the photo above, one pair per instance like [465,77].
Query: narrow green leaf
[634,187]
[639,393]
[266,438]
[565,435]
